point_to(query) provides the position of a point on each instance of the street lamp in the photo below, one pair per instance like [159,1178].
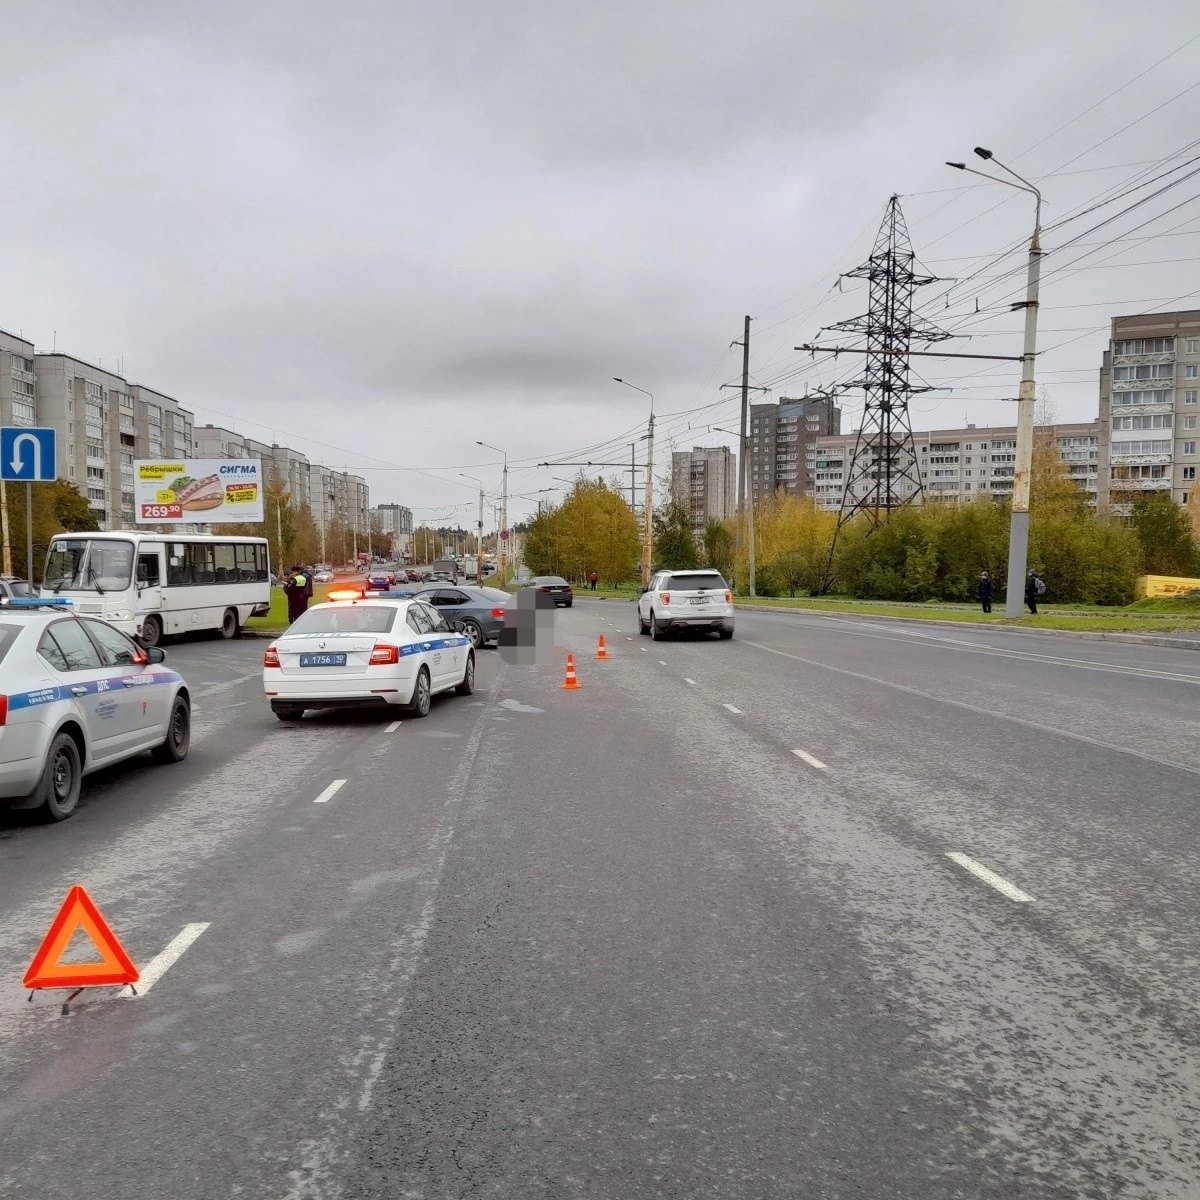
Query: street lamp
[479,531]
[503,538]
[648,514]
[1018,533]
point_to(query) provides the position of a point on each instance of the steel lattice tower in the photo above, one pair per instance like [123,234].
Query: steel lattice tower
[883,473]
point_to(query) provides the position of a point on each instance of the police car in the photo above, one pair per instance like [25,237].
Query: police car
[76,695]
[360,650]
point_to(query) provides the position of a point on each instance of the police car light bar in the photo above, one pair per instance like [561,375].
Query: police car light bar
[36,602]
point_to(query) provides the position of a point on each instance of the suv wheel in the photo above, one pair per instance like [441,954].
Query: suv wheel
[656,633]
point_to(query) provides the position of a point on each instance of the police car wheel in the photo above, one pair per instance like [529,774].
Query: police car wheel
[467,687]
[58,788]
[151,632]
[422,696]
[179,734]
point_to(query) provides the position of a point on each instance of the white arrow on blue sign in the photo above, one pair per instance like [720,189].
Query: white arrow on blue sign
[27,455]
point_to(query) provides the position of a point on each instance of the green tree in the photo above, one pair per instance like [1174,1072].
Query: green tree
[594,529]
[674,544]
[58,507]
[1164,535]
[718,547]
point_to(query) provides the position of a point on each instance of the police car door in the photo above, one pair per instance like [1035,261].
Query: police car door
[449,648]
[93,688]
[147,709]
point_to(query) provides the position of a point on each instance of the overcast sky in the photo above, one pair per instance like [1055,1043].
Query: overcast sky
[380,231]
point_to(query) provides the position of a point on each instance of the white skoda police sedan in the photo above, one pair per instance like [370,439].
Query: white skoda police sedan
[75,695]
[360,650]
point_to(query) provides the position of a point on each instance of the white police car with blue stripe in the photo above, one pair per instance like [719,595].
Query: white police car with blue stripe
[360,650]
[76,694]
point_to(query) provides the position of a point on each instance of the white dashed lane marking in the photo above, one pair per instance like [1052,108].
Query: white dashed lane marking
[662,662]
[808,758]
[731,708]
[392,727]
[158,966]
[990,877]
[330,791]
[691,681]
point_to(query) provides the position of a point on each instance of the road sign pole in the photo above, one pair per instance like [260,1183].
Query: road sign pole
[7,543]
[29,532]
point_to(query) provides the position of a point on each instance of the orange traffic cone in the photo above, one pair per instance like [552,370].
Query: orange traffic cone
[602,653]
[570,684]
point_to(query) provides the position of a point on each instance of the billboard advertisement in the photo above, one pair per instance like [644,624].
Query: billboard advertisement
[197,490]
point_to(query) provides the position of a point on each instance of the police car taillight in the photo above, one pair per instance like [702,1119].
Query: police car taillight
[3,710]
[271,658]
[384,656]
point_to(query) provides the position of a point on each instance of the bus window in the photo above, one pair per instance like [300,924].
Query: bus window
[148,571]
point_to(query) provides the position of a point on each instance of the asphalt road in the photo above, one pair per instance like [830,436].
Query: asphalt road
[692,931]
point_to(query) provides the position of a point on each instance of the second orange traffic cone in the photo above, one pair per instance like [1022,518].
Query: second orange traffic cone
[602,653]
[570,684]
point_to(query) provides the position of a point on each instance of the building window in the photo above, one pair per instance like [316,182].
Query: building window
[1189,447]
[1160,345]
[1193,345]
[1189,422]
[1189,473]
[1190,397]
[1191,371]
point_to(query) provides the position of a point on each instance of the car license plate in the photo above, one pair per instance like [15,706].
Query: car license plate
[322,660]
[701,600]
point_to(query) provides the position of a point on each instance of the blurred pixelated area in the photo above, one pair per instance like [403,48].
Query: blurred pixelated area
[527,638]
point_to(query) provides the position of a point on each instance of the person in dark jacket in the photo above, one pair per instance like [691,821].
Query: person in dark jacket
[1034,587]
[294,583]
[985,591]
[308,584]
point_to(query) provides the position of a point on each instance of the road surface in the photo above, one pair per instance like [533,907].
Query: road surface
[841,908]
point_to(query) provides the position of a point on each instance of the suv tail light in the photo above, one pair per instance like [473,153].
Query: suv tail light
[728,597]
[665,597]
[384,656]
[271,658]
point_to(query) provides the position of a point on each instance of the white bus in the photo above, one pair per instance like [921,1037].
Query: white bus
[151,584]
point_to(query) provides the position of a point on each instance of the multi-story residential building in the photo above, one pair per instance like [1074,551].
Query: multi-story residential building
[396,523]
[17,394]
[212,441]
[961,464]
[783,441]
[704,481]
[1150,407]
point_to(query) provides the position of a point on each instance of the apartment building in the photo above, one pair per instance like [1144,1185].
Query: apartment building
[214,441]
[17,403]
[704,481]
[1150,407]
[783,443]
[960,464]
[396,523]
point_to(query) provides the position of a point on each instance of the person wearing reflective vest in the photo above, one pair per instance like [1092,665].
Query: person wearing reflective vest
[296,586]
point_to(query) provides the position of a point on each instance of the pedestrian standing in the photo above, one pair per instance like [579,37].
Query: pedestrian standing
[308,585]
[294,587]
[985,591]
[1035,586]
[592,580]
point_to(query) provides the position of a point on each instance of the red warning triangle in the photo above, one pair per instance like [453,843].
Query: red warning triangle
[79,912]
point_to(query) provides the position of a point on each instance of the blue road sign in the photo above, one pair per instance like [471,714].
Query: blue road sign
[27,455]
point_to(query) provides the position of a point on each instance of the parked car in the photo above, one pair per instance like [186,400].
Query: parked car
[323,576]
[11,586]
[378,581]
[480,610]
[555,586]
[699,600]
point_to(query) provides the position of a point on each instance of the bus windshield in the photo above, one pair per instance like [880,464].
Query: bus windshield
[87,565]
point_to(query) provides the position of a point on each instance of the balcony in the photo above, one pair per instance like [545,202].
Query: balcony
[1129,360]
[1142,460]
[1141,485]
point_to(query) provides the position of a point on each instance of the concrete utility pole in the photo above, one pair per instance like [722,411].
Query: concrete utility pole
[478,532]
[747,487]
[648,515]
[502,543]
[1018,530]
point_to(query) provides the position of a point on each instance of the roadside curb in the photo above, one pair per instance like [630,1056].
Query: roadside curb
[1135,639]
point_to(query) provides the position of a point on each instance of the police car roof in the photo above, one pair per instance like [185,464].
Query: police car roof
[35,605]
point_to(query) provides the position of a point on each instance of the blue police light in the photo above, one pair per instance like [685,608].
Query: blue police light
[36,602]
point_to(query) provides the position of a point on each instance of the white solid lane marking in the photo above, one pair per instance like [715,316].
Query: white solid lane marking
[158,966]
[392,727]
[808,758]
[990,877]
[691,681]
[329,792]
[662,662]
[731,708]
[644,650]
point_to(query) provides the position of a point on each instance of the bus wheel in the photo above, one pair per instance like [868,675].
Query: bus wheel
[151,632]
[229,624]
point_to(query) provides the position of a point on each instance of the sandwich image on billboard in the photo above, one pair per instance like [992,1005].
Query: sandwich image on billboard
[197,490]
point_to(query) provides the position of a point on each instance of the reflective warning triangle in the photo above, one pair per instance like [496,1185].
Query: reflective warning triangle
[79,912]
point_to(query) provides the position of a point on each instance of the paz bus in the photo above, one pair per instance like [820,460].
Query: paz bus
[151,584]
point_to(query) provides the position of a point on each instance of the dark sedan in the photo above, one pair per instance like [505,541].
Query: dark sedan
[558,589]
[480,609]
[378,581]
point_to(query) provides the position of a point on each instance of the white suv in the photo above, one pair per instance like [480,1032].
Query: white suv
[686,600]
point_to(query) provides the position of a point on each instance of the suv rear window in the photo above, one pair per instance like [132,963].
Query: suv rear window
[708,581]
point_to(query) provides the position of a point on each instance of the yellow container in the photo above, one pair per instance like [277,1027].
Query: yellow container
[1150,587]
